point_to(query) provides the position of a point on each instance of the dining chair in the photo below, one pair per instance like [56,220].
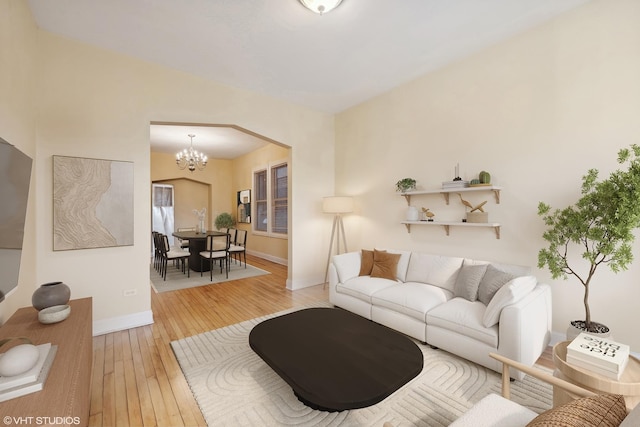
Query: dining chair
[184,243]
[157,252]
[170,254]
[233,232]
[239,248]
[217,248]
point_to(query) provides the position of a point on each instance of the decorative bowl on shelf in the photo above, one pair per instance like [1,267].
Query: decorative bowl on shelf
[54,314]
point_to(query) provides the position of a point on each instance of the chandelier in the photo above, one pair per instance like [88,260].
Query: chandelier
[320,6]
[191,158]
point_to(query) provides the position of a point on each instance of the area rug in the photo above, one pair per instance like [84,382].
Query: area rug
[176,280]
[234,387]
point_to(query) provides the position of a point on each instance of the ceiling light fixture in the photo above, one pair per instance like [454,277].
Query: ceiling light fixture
[190,158]
[320,6]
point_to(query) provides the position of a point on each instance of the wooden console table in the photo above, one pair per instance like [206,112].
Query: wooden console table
[628,385]
[66,395]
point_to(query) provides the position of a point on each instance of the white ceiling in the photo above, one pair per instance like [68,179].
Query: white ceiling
[217,142]
[277,47]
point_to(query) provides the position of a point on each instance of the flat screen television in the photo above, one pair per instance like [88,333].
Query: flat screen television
[15,177]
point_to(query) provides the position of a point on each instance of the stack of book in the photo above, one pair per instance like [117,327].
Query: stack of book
[448,185]
[32,380]
[599,355]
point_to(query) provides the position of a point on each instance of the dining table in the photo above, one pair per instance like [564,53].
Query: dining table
[197,244]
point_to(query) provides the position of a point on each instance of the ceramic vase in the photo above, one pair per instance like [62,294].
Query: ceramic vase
[50,294]
[412,213]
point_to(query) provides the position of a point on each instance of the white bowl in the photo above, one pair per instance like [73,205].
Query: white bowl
[54,314]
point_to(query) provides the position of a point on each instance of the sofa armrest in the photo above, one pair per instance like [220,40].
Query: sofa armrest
[525,327]
[347,266]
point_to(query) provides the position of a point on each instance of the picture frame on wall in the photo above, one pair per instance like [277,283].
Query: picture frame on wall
[92,203]
[244,206]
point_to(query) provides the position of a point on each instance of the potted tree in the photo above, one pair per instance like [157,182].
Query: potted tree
[600,225]
[224,220]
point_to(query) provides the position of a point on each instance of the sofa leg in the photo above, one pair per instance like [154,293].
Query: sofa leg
[432,346]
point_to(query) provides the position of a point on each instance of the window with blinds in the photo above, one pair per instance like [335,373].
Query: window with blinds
[260,198]
[280,182]
[271,200]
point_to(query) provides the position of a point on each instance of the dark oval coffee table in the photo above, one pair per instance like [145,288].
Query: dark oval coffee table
[335,360]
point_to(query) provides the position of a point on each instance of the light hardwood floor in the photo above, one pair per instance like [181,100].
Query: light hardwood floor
[136,380]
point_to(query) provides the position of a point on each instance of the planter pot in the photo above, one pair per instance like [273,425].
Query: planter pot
[50,294]
[478,217]
[413,214]
[577,326]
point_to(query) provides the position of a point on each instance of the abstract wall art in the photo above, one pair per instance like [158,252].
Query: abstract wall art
[92,203]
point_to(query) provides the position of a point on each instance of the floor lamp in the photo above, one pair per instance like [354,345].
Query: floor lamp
[337,206]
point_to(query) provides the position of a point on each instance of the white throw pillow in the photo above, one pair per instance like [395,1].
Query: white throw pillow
[508,294]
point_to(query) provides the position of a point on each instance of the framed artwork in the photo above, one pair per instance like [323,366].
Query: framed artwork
[92,203]
[244,206]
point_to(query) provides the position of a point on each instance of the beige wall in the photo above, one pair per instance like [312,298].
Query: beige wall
[273,248]
[98,104]
[224,179]
[537,111]
[217,176]
[18,100]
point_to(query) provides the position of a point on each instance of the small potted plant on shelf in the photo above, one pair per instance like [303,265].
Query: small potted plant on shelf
[406,184]
[600,224]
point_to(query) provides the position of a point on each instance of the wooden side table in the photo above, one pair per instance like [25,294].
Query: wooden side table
[65,399]
[628,385]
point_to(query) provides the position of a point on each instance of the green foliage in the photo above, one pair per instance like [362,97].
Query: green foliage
[601,224]
[406,184]
[224,220]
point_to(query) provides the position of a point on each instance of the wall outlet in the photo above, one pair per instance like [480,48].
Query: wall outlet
[130,292]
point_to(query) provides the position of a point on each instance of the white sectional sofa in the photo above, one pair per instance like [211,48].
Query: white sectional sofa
[467,307]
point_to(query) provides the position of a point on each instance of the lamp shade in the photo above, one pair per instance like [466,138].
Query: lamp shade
[337,204]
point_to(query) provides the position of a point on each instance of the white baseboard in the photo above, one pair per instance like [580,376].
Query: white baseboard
[304,283]
[268,257]
[114,324]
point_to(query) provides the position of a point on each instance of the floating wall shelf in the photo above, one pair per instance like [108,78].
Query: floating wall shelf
[447,224]
[446,192]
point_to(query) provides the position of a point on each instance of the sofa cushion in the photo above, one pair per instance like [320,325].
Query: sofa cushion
[347,265]
[385,265]
[468,281]
[464,317]
[366,262]
[510,293]
[516,270]
[412,299]
[362,287]
[495,411]
[436,270]
[492,280]
[603,410]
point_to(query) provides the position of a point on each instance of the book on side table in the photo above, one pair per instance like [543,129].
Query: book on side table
[32,380]
[600,355]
